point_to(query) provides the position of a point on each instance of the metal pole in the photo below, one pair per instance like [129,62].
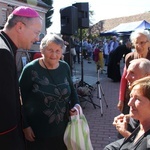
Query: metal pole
[82,80]
[70,56]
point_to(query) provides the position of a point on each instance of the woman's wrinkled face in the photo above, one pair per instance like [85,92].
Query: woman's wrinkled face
[141,44]
[52,53]
[139,104]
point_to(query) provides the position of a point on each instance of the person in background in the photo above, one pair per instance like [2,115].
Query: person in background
[69,55]
[89,51]
[101,56]
[140,40]
[78,49]
[125,124]
[106,51]
[73,50]
[113,44]
[129,50]
[84,48]
[115,56]
[98,56]
[48,94]
[139,109]
[21,23]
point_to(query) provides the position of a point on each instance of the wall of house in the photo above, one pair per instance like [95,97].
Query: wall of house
[6,7]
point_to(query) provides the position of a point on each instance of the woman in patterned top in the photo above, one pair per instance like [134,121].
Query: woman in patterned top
[47,92]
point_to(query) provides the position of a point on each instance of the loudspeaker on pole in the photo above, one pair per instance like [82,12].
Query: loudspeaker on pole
[83,14]
[69,20]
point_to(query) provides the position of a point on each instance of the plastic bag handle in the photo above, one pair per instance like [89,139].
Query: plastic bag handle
[77,112]
[80,109]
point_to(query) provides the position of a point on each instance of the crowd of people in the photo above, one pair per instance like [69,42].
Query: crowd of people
[125,123]
[133,122]
[35,113]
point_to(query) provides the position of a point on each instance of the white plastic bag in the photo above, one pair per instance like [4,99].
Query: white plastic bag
[77,133]
[73,51]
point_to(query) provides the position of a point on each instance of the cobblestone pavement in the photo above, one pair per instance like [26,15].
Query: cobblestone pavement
[101,128]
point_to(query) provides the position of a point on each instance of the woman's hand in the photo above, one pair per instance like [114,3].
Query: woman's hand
[29,134]
[73,111]
[121,122]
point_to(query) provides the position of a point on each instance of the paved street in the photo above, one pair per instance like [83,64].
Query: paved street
[101,128]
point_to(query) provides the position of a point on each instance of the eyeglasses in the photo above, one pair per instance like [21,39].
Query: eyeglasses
[51,51]
[37,33]
[140,43]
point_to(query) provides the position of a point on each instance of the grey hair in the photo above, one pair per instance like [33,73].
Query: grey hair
[134,34]
[143,64]
[51,38]
[13,19]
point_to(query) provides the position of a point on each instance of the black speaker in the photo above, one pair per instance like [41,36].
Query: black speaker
[83,14]
[69,20]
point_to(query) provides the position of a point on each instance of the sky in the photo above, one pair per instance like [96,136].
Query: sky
[103,9]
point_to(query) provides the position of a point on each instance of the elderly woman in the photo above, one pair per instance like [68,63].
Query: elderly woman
[47,88]
[140,110]
[141,41]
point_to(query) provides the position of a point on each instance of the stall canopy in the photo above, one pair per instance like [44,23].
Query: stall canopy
[127,28]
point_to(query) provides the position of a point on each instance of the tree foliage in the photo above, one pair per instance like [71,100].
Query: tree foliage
[86,32]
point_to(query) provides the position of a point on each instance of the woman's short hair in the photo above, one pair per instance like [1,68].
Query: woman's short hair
[51,38]
[144,84]
[134,34]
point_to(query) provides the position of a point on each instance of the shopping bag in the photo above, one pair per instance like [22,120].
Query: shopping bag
[73,51]
[77,133]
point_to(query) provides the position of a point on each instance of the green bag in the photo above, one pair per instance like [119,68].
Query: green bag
[77,133]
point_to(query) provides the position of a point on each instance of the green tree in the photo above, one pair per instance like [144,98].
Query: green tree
[86,32]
